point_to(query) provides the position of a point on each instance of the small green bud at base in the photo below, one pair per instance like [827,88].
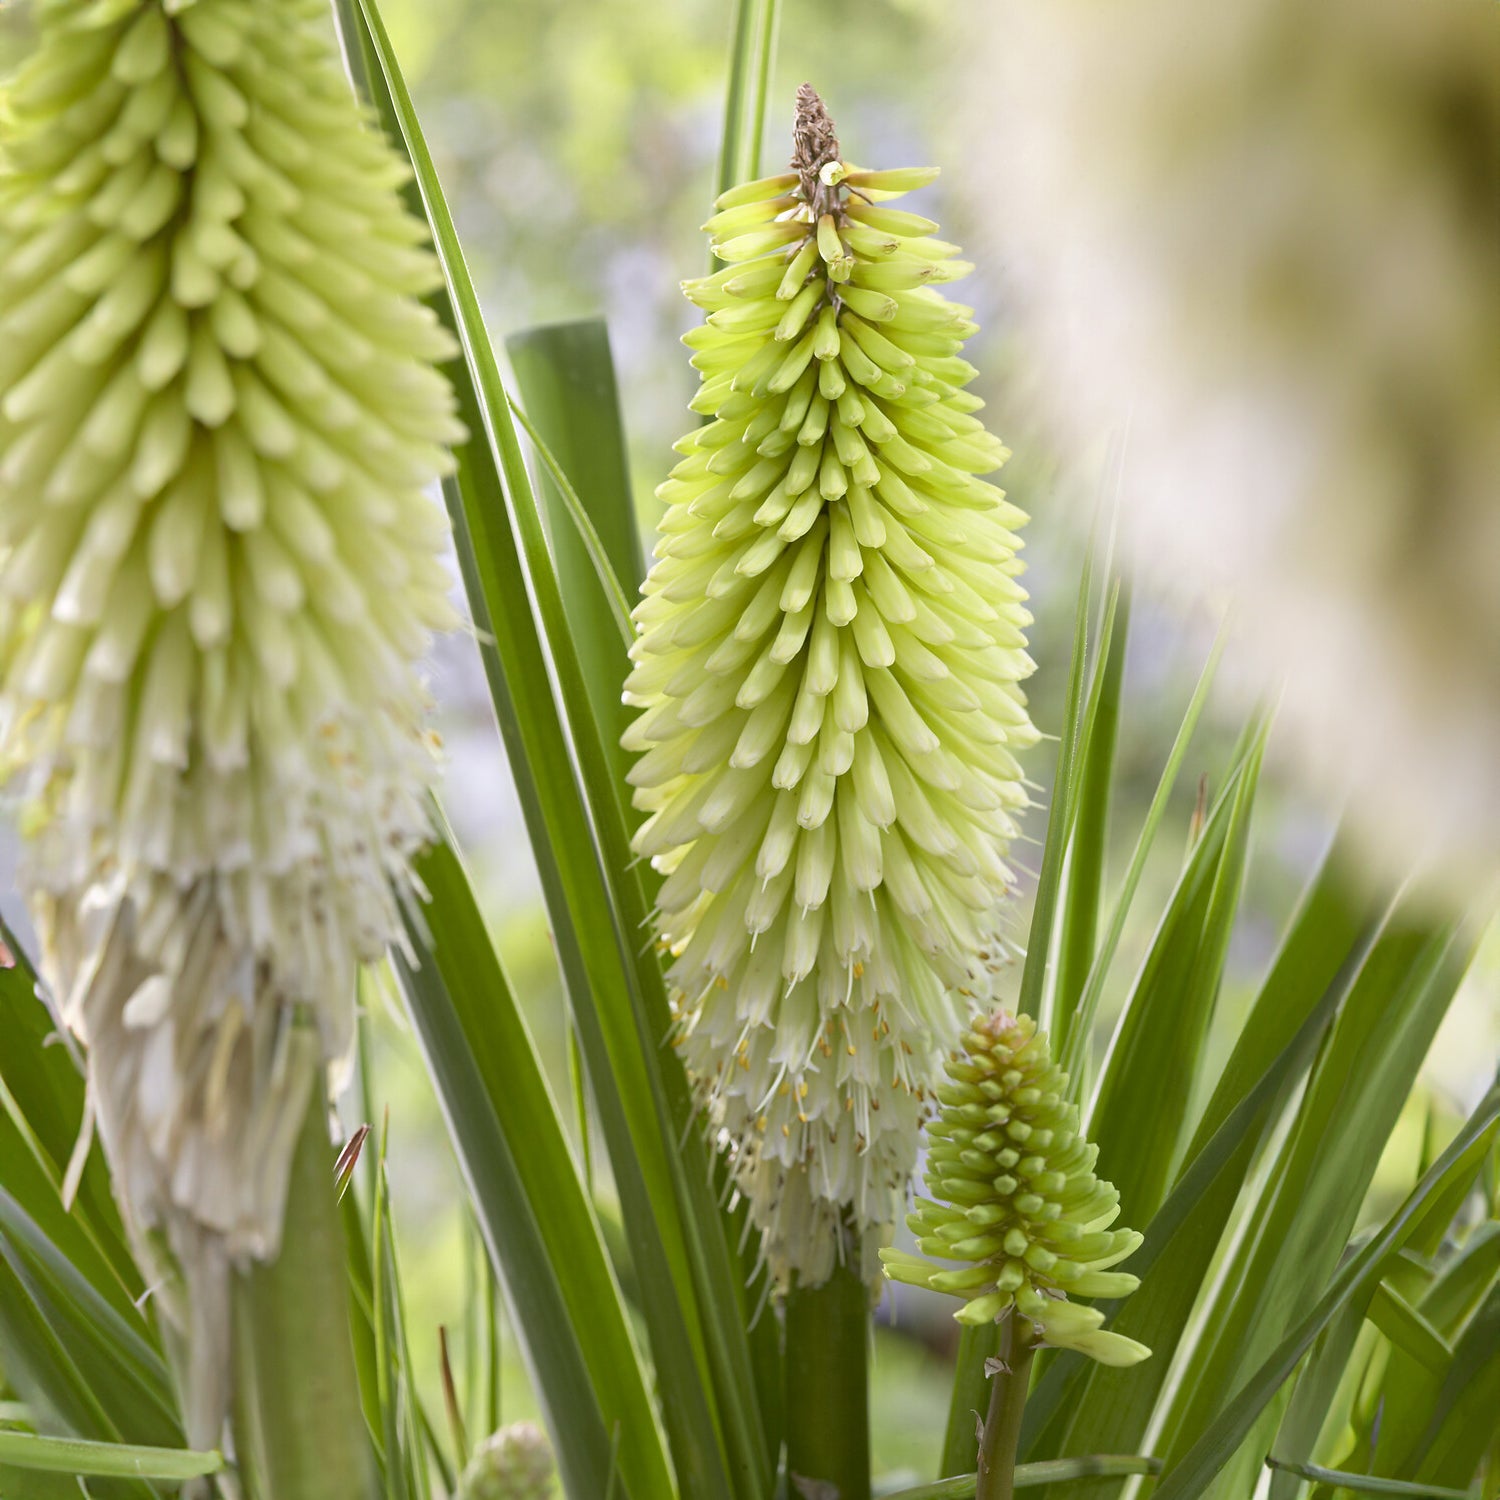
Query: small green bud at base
[512,1464]
[1032,1251]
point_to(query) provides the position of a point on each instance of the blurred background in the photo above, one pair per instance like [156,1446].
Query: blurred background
[577,140]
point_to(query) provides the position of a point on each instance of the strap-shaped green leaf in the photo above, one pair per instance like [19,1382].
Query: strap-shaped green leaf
[1059,1471]
[1222,1439]
[42,1099]
[1142,1112]
[1365,1484]
[1081,1405]
[53,1455]
[1083,885]
[537,1220]
[1311,1200]
[1405,1327]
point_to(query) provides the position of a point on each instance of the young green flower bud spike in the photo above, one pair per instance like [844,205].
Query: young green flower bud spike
[218,568]
[830,648]
[1017,1199]
[512,1464]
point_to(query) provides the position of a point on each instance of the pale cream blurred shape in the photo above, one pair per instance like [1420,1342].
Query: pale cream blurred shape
[1261,241]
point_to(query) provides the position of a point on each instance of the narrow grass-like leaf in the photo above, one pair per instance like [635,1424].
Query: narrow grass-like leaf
[402,1419]
[104,1460]
[360,1279]
[95,1368]
[1365,1484]
[1089,845]
[1033,1476]
[1405,1327]
[1313,1196]
[537,1221]
[1060,812]
[1222,1439]
[577,819]
[1327,926]
[565,378]
[582,523]
[1140,1119]
[1463,1416]
[42,1089]
[1327,1383]
[1082,1406]
[1075,1053]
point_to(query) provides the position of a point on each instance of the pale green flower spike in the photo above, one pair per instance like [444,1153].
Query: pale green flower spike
[218,569]
[1018,1199]
[512,1464]
[828,666]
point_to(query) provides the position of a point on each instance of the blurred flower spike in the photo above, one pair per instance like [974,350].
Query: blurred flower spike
[1017,1198]
[831,645]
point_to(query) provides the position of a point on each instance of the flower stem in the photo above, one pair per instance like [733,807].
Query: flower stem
[827,1386]
[299,1429]
[1002,1427]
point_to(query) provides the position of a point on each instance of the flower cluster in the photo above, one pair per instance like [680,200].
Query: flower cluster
[831,642]
[1017,1198]
[218,569]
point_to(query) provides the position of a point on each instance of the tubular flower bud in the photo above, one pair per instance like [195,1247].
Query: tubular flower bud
[828,666]
[512,1464]
[218,570]
[1017,1199]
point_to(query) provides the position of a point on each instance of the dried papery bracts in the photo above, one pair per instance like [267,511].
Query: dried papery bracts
[1015,1198]
[218,570]
[831,645]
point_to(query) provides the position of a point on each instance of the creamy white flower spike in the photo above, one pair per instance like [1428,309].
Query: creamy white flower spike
[828,666]
[218,568]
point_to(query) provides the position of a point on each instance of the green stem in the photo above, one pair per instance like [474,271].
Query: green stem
[827,1385]
[971,1391]
[299,1428]
[1002,1428]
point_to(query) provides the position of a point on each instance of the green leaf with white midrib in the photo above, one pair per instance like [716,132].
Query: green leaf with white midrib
[531,1205]
[1311,1200]
[580,839]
